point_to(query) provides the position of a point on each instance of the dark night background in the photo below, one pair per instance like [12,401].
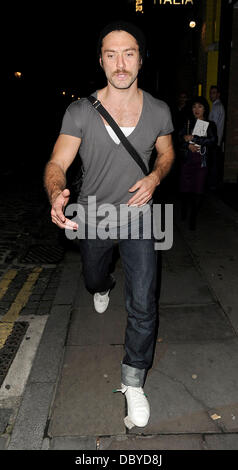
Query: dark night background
[56,51]
[54,47]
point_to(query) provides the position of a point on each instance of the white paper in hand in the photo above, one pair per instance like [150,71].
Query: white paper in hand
[200,128]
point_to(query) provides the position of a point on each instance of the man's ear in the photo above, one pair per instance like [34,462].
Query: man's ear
[101,61]
[140,62]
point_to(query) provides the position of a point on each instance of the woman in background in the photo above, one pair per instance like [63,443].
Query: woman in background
[195,151]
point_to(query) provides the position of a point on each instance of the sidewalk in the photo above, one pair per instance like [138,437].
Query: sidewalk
[68,401]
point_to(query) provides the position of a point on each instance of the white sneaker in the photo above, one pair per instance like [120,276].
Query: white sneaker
[138,407]
[101,301]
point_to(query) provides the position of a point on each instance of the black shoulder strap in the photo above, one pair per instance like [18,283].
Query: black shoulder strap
[99,107]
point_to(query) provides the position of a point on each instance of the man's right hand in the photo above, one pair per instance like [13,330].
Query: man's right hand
[59,201]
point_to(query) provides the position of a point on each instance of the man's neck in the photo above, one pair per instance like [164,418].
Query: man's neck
[118,96]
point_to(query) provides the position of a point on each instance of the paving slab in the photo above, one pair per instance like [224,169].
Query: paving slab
[162,442]
[3,443]
[89,327]
[31,420]
[178,249]
[183,284]
[49,354]
[215,234]
[73,443]
[85,404]
[69,278]
[221,442]
[214,246]
[221,273]
[5,415]
[190,385]
[224,241]
[193,324]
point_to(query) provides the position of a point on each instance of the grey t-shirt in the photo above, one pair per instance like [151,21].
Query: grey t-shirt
[109,170]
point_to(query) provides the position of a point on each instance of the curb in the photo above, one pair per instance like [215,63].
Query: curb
[31,422]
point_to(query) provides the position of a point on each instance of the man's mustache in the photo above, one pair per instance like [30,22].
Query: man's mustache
[121,71]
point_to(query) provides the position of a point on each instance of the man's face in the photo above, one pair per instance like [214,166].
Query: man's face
[182,99]
[120,59]
[214,94]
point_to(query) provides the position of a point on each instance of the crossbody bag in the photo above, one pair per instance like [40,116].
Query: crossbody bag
[129,147]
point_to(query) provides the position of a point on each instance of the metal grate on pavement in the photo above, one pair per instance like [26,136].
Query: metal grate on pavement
[10,348]
[4,252]
[43,254]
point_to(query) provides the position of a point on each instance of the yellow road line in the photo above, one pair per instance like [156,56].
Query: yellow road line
[22,296]
[6,281]
[7,321]
[5,331]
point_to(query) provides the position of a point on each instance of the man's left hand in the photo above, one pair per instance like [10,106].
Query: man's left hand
[145,189]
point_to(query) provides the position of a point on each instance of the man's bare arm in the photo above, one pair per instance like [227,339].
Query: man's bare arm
[64,152]
[54,180]
[165,158]
[146,186]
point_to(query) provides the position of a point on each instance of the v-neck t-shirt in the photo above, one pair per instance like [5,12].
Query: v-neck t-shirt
[109,170]
[126,131]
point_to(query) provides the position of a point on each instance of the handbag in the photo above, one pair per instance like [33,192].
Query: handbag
[129,147]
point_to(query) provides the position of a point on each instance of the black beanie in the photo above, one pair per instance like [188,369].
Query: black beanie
[123,26]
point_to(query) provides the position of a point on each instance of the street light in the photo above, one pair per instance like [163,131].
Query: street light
[192,24]
[18,74]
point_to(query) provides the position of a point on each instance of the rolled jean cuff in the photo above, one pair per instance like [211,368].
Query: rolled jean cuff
[131,376]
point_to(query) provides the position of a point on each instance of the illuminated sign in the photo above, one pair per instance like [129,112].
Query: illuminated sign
[173,2]
[139,6]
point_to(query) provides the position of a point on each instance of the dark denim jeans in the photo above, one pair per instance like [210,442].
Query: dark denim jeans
[139,261]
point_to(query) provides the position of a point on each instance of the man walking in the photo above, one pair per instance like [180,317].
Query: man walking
[217,115]
[116,180]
